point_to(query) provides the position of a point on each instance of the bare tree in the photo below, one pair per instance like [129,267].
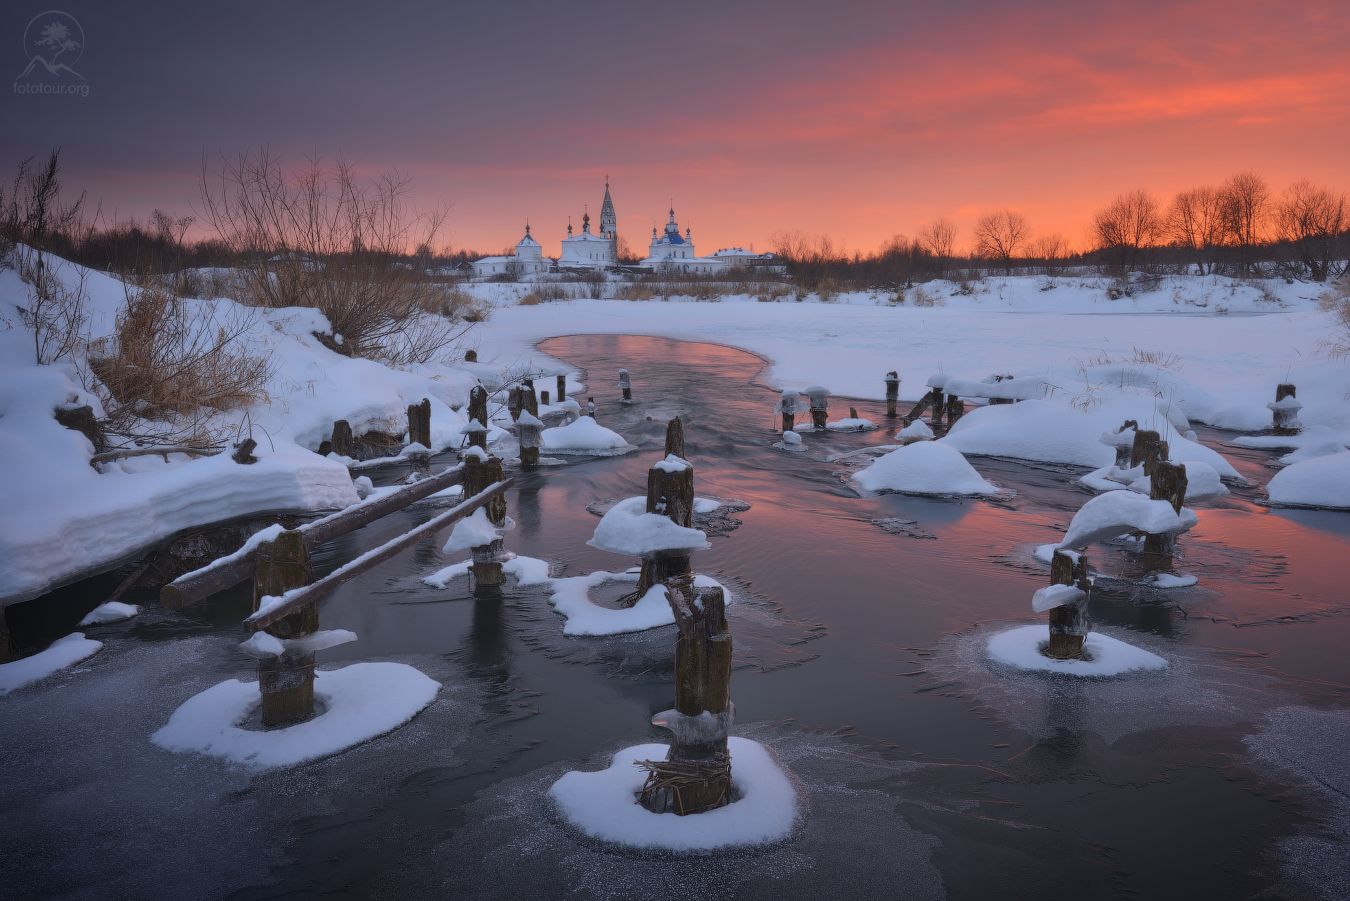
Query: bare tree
[998,236]
[1126,226]
[320,237]
[1246,208]
[810,258]
[1051,250]
[1195,222]
[1313,220]
[939,238]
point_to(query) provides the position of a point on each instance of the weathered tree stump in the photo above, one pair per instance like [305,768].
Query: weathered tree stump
[470,356]
[626,386]
[1148,447]
[419,423]
[1167,482]
[479,474]
[286,681]
[543,398]
[513,402]
[696,775]
[82,420]
[892,393]
[343,443]
[529,433]
[562,387]
[955,410]
[1125,450]
[478,413]
[529,400]
[1285,410]
[670,493]
[1069,624]
[820,406]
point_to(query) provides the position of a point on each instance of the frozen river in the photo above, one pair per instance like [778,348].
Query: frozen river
[859,628]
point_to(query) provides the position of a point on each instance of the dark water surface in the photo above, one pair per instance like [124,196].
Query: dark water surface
[859,625]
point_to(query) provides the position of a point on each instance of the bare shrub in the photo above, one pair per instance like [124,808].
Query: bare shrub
[1313,220]
[629,291]
[1195,222]
[531,300]
[939,239]
[1127,225]
[1336,301]
[172,364]
[322,238]
[1245,200]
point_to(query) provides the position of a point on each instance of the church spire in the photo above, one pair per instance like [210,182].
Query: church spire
[609,223]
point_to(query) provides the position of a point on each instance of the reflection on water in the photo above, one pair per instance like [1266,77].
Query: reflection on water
[857,619]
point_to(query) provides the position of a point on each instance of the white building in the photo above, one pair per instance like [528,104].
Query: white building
[672,251]
[528,260]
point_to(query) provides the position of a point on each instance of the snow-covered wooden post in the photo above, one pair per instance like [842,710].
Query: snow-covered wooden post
[477,429]
[590,407]
[529,401]
[1285,410]
[285,680]
[1067,602]
[513,403]
[470,356]
[787,405]
[529,432]
[562,387]
[820,406]
[1166,482]
[343,443]
[419,423]
[480,472]
[543,397]
[938,406]
[626,386]
[892,393]
[670,493]
[696,774]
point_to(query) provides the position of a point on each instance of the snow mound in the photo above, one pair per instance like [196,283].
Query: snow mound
[571,598]
[475,530]
[924,468]
[362,701]
[1022,648]
[627,528]
[1319,482]
[582,436]
[706,504]
[1201,481]
[602,804]
[1170,580]
[918,430]
[1119,512]
[60,654]
[850,424]
[110,612]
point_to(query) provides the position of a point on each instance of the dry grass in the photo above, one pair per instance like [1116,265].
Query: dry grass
[1336,301]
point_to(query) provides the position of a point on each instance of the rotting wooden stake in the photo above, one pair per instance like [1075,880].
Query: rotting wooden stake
[1285,410]
[478,403]
[937,408]
[787,405]
[1069,624]
[670,493]
[892,393]
[1148,447]
[529,400]
[1167,482]
[820,407]
[955,410]
[343,444]
[696,775]
[626,386]
[419,423]
[562,387]
[470,356]
[286,682]
[479,474]
[543,398]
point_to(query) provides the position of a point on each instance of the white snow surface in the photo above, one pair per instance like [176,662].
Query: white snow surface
[1053,596]
[1116,513]
[60,654]
[1318,482]
[602,804]
[1202,481]
[360,701]
[582,436]
[1022,648]
[925,467]
[474,530]
[918,430]
[849,424]
[571,598]
[627,528]
[110,612]
[527,570]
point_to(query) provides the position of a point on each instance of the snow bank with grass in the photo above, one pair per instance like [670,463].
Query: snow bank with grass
[925,467]
[603,804]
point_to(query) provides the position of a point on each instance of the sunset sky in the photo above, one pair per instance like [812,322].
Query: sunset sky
[856,119]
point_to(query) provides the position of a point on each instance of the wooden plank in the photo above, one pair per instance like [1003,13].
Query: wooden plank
[190,588]
[316,591]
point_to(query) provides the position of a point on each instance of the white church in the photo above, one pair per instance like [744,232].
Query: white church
[587,250]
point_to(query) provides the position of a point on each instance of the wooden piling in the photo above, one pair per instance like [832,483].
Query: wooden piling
[1285,410]
[626,386]
[787,406]
[243,452]
[670,493]
[562,387]
[343,443]
[1148,447]
[419,423]
[513,403]
[478,412]
[529,432]
[696,775]
[470,356]
[938,408]
[286,681]
[1124,451]
[1069,624]
[543,398]
[590,407]
[1167,482]
[479,474]
[955,410]
[820,407]
[892,393]
[529,400]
